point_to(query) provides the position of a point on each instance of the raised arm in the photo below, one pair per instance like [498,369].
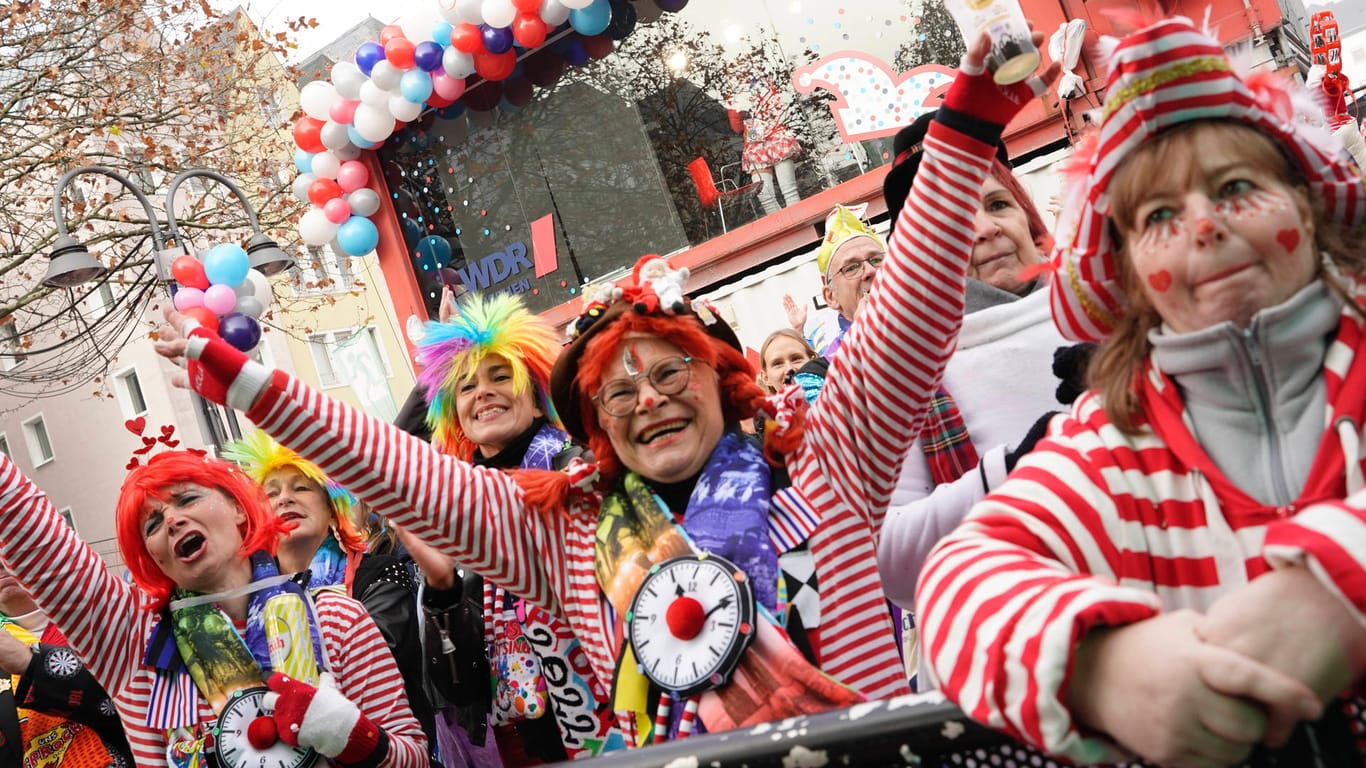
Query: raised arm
[69,581]
[475,515]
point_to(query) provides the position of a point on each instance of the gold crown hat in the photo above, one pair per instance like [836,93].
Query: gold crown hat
[843,224]
[1164,75]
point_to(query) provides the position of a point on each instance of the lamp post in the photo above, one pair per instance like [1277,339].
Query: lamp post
[71,265]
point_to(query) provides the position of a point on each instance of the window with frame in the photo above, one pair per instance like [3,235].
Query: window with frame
[324,348]
[11,345]
[4,444]
[69,518]
[97,303]
[324,270]
[128,389]
[39,443]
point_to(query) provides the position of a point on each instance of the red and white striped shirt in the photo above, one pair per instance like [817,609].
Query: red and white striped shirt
[1096,527]
[109,628]
[856,435]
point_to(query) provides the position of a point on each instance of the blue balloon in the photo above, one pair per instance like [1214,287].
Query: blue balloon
[497,39]
[450,113]
[357,139]
[415,85]
[357,236]
[508,107]
[433,252]
[441,33]
[239,330]
[368,55]
[574,54]
[591,19]
[427,55]
[226,264]
[303,161]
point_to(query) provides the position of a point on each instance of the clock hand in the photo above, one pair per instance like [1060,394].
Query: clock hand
[678,590]
[725,601]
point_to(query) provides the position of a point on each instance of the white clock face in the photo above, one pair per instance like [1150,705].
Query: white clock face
[234,748]
[690,621]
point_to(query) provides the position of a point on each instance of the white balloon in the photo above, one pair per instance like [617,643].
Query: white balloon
[346,78]
[314,227]
[554,13]
[334,136]
[260,287]
[385,75]
[372,94]
[348,152]
[498,13]
[417,23]
[462,11]
[457,64]
[576,4]
[326,165]
[316,99]
[363,202]
[373,123]
[301,185]
[403,110]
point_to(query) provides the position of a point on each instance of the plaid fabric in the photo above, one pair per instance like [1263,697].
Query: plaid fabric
[944,440]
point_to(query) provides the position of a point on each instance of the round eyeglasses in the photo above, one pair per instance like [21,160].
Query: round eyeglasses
[668,376]
[855,268]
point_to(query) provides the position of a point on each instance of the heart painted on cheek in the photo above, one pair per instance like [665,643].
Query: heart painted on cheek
[1160,280]
[1289,239]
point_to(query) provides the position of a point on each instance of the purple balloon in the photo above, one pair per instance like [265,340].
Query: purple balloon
[368,55]
[427,55]
[574,54]
[239,330]
[497,39]
[672,6]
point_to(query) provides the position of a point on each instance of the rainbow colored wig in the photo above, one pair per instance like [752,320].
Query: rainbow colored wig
[450,354]
[260,532]
[259,456]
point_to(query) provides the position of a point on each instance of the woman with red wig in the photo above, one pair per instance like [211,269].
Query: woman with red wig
[711,588]
[184,650]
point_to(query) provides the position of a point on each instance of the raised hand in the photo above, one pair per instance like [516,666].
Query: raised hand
[975,94]
[324,720]
[796,313]
[215,369]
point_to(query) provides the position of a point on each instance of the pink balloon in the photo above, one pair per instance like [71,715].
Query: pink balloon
[220,299]
[447,87]
[352,176]
[337,210]
[188,298]
[343,111]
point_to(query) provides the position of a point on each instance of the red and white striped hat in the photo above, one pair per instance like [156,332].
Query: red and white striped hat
[1162,76]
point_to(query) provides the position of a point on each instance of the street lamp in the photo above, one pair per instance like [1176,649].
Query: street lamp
[71,265]
[264,254]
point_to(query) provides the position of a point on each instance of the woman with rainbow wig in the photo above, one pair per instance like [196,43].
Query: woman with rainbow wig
[321,538]
[487,378]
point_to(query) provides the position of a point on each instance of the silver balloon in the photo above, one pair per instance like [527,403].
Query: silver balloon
[457,64]
[348,152]
[248,305]
[301,184]
[347,77]
[385,75]
[363,202]
[334,135]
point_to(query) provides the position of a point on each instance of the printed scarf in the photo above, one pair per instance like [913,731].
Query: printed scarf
[727,515]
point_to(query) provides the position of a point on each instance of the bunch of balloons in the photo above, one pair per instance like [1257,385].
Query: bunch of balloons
[426,60]
[222,293]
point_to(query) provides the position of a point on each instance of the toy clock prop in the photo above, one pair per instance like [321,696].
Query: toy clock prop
[689,623]
[245,736]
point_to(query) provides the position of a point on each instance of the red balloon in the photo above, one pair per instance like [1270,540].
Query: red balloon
[189,272]
[308,134]
[399,52]
[484,96]
[495,66]
[517,90]
[597,46]
[528,29]
[543,67]
[527,6]
[438,101]
[467,38]
[322,190]
[204,316]
[390,32]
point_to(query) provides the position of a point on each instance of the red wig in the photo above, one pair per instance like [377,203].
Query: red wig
[1038,231]
[740,394]
[260,531]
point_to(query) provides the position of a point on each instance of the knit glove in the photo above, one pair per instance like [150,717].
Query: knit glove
[220,372]
[1070,365]
[324,720]
[1036,432]
[976,95]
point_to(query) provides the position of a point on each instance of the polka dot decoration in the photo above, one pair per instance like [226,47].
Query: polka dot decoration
[871,100]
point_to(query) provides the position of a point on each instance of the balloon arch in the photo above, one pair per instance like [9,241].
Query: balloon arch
[431,60]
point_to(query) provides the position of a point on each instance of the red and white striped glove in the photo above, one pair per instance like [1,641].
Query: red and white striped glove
[220,372]
[326,721]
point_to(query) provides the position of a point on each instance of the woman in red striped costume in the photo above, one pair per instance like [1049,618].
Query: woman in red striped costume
[1179,570]
[658,387]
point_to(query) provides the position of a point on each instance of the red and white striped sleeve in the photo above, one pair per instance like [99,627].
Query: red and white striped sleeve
[1004,599]
[1330,540]
[367,674]
[473,514]
[892,359]
[70,582]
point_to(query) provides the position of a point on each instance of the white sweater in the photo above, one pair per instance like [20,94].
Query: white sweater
[1001,377]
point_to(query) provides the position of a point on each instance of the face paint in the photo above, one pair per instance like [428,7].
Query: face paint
[630,360]
[1204,227]
[1161,280]
[1256,203]
[1289,239]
